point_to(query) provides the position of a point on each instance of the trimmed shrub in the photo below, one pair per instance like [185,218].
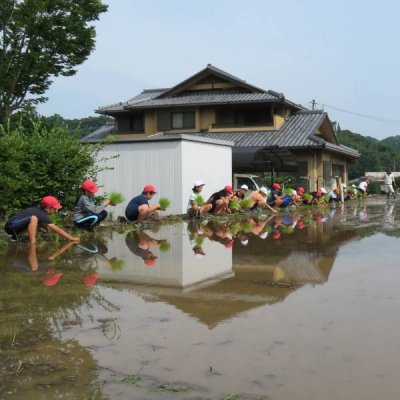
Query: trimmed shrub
[39,162]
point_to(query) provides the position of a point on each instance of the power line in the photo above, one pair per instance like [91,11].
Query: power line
[380,119]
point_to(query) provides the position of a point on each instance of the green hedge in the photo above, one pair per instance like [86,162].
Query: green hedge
[39,161]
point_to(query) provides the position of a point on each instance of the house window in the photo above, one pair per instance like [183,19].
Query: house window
[183,120]
[338,170]
[136,123]
[253,117]
[326,172]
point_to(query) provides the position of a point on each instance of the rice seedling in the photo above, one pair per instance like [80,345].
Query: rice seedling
[116,198]
[307,197]
[164,247]
[164,203]
[234,205]
[245,203]
[116,264]
[199,200]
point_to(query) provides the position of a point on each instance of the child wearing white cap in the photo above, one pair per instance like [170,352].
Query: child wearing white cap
[193,208]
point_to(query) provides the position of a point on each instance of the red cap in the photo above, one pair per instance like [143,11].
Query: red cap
[150,262]
[276,185]
[276,235]
[228,188]
[91,279]
[300,225]
[229,244]
[300,189]
[50,201]
[319,192]
[52,279]
[89,186]
[336,190]
[367,180]
[150,188]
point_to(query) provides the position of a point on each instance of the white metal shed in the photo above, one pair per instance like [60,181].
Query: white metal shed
[169,162]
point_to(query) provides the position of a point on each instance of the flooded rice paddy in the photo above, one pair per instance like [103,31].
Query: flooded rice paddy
[303,305]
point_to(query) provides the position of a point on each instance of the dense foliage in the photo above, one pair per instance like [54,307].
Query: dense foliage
[82,126]
[375,155]
[42,39]
[40,161]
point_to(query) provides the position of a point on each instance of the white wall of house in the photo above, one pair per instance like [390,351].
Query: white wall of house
[170,165]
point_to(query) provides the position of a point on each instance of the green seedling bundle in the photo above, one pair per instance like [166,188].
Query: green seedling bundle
[116,198]
[164,203]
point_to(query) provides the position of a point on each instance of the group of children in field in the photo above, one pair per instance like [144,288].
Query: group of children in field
[228,201]
[87,215]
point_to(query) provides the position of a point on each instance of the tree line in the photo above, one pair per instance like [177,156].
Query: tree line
[376,155]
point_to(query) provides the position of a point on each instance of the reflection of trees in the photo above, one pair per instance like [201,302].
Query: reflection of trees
[32,313]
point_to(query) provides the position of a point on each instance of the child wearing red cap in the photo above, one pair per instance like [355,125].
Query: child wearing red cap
[86,214]
[220,200]
[29,219]
[138,209]
[140,244]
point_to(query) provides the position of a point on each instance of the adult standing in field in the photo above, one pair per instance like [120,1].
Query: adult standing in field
[86,214]
[390,183]
[29,219]
[220,200]
[138,209]
[194,209]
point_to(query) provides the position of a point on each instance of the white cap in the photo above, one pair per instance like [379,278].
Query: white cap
[264,190]
[244,187]
[353,185]
[323,190]
[245,242]
[198,183]
[344,185]
[264,235]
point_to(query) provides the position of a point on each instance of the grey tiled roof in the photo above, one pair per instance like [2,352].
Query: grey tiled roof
[99,134]
[178,96]
[296,133]
[203,98]
[146,95]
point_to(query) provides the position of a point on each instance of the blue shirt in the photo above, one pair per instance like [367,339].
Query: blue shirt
[132,209]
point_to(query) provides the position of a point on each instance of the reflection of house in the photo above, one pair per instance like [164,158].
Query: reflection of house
[270,133]
[216,287]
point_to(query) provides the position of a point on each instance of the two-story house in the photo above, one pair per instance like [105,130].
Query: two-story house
[270,133]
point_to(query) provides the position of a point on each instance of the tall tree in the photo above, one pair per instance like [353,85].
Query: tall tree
[39,40]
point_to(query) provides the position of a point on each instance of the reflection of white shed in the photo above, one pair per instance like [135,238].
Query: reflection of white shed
[171,163]
[177,267]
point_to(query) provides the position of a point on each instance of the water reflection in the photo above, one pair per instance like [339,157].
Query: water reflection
[192,277]
[239,264]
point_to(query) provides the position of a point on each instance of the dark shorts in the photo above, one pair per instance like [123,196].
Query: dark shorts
[361,190]
[132,213]
[17,225]
[90,221]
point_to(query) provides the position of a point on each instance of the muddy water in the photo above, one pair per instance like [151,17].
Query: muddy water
[300,306]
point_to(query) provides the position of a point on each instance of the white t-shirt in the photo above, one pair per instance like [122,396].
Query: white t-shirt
[363,185]
[388,178]
[192,198]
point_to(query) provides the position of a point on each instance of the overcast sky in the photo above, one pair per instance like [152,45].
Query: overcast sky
[342,53]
